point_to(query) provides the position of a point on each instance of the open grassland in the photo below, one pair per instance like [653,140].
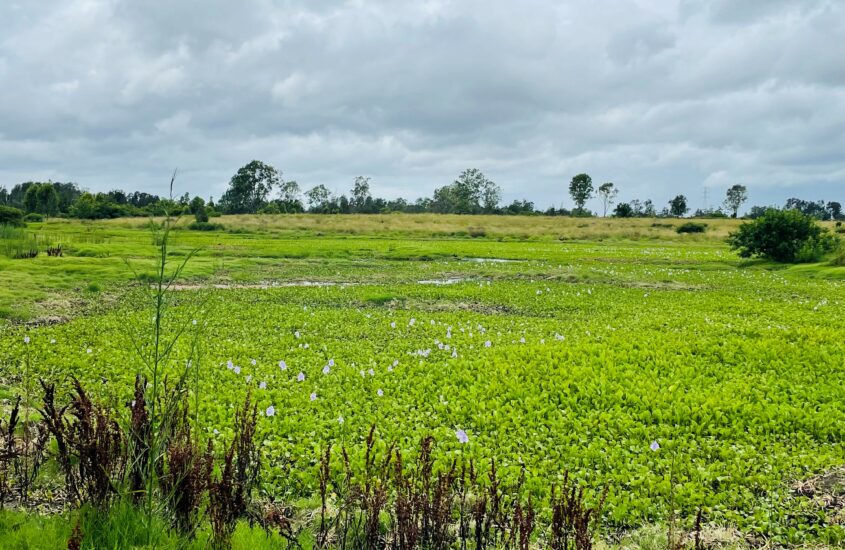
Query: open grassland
[101,254]
[555,343]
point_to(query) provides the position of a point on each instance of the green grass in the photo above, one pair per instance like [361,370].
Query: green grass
[734,367]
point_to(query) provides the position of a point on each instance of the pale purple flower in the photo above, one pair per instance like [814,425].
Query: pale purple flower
[654,446]
[488,343]
[371,372]
[253,362]
[249,378]
[262,385]
[271,410]
[393,324]
[462,436]
[88,350]
[313,396]
[326,369]
[379,392]
[216,431]
[237,369]
[301,377]
[230,365]
[331,362]
[340,419]
[26,339]
[283,365]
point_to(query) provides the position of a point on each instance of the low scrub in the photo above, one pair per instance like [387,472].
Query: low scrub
[205,226]
[692,227]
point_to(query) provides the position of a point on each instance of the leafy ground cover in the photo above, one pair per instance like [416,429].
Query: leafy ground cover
[570,355]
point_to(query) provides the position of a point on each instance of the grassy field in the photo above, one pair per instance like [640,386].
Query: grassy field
[554,343]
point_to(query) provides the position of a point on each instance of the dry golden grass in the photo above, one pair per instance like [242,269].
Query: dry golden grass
[453,225]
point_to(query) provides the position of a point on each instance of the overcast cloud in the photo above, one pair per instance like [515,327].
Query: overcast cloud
[659,97]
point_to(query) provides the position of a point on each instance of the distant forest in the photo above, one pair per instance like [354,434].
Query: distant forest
[258,188]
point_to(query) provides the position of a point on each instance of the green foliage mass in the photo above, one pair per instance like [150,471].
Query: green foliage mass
[787,236]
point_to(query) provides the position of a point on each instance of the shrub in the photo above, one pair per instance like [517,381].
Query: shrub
[783,236]
[11,216]
[205,226]
[476,232]
[33,217]
[692,227]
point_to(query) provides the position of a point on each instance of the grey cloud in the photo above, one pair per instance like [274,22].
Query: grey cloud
[656,96]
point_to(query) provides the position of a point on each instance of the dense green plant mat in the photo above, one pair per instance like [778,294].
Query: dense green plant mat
[576,357]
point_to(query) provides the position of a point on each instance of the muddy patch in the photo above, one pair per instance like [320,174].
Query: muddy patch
[827,491]
[492,260]
[266,285]
[445,281]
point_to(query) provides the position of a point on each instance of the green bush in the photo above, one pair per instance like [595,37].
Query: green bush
[33,217]
[205,226]
[783,236]
[11,216]
[692,227]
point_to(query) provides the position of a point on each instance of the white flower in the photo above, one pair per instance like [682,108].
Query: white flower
[52,340]
[379,392]
[412,322]
[340,419]
[371,372]
[249,378]
[271,410]
[88,350]
[262,385]
[283,365]
[300,377]
[237,369]
[253,362]
[193,321]
[26,339]
[216,431]
[296,334]
[392,324]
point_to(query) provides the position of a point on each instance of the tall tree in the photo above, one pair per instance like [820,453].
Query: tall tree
[581,189]
[734,198]
[318,197]
[48,200]
[678,206]
[30,198]
[249,188]
[607,193]
[360,193]
[835,210]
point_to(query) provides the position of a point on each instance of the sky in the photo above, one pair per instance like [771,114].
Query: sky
[658,96]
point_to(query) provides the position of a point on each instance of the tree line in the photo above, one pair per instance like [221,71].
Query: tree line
[258,187]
